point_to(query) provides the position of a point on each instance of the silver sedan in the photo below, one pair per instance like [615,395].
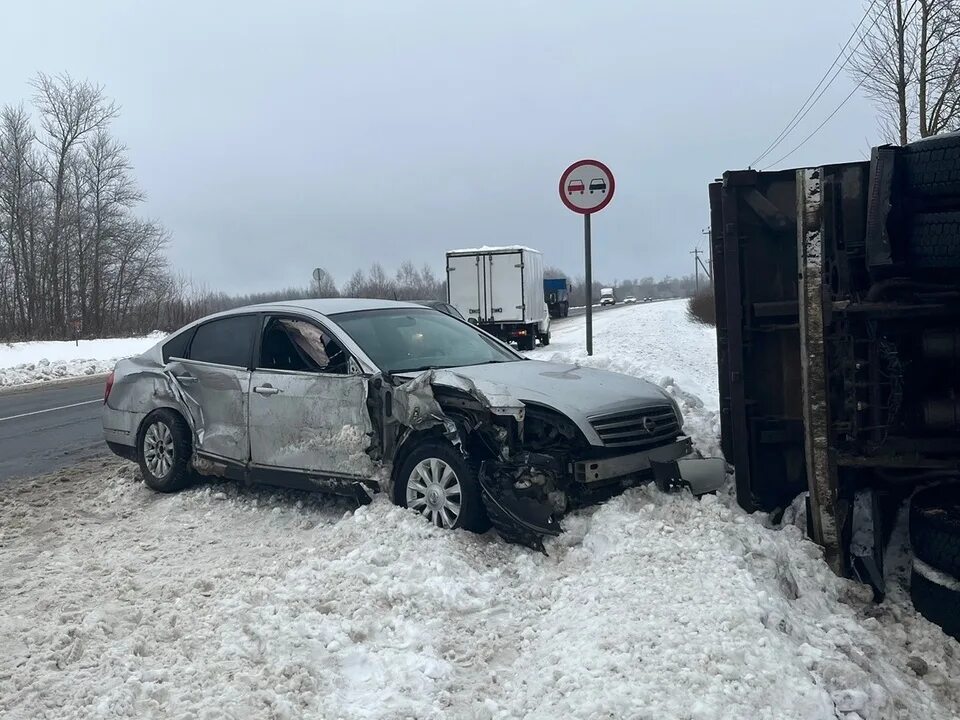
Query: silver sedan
[366,396]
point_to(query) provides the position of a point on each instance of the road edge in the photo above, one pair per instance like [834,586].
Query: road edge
[59,382]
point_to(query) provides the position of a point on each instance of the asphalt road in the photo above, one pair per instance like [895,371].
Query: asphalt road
[48,428]
[577,311]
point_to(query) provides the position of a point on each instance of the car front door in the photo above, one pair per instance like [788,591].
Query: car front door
[308,410]
[215,378]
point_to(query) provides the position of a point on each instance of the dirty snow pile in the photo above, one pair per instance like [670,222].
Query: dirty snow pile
[41,361]
[223,602]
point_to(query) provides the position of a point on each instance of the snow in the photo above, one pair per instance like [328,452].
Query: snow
[226,602]
[41,361]
[492,248]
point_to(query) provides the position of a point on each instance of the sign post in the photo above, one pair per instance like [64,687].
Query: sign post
[587,187]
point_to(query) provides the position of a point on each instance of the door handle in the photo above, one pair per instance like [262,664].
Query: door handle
[186,379]
[266,390]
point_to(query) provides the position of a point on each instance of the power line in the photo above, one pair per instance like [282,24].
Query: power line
[829,117]
[797,116]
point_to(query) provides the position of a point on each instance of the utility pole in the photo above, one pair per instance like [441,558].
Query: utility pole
[706,231]
[696,266]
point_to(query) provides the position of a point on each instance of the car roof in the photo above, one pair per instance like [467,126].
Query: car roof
[331,306]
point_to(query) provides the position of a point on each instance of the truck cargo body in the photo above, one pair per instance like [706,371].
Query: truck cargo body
[837,350]
[500,289]
[557,295]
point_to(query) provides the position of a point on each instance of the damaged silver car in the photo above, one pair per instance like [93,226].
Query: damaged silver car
[366,396]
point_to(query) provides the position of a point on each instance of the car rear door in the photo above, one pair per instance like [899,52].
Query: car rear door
[215,378]
[308,403]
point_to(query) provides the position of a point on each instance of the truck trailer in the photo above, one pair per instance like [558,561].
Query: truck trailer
[500,289]
[557,294]
[837,291]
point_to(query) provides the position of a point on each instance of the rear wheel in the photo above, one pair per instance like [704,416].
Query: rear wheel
[931,167]
[937,603]
[933,240]
[163,451]
[438,482]
[935,527]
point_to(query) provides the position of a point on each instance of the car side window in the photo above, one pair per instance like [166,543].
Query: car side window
[292,344]
[226,341]
[177,345]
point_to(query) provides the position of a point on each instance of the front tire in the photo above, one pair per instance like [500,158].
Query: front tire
[163,451]
[438,482]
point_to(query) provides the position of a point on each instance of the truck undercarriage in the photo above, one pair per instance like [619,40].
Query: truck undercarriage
[839,348]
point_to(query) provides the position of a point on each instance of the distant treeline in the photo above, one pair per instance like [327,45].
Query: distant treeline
[73,251]
[76,257]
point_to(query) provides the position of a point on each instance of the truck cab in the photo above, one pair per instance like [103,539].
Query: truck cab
[607,297]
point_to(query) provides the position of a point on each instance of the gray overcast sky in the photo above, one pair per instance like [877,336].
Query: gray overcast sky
[271,137]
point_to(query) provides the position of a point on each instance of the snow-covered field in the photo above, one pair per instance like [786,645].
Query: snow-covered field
[40,361]
[222,602]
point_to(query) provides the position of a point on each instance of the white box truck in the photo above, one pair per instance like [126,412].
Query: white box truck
[500,289]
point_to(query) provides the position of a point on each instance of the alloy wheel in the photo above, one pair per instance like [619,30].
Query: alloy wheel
[433,489]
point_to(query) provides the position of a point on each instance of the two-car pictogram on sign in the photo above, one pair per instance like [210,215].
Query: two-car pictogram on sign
[586,186]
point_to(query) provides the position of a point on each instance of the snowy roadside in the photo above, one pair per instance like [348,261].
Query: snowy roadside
[223,602]
[22,363]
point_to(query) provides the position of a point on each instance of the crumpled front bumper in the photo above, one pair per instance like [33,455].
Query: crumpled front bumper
[668,465]
[604,470]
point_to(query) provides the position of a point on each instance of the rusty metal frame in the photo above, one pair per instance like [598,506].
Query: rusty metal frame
[821,467]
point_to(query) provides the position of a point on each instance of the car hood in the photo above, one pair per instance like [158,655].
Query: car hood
[577,392]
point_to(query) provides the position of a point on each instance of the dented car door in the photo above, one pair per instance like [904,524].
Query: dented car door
[215,379]
[308,410]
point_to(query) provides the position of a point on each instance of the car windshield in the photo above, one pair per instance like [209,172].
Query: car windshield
[410,340]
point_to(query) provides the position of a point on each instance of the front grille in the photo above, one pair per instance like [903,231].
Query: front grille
[645,427]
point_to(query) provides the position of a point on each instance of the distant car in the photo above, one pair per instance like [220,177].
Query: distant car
[647,299]
[598,184]
[629,299]
[443,307]
[575,186]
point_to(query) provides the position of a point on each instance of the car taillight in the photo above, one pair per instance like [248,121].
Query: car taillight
[109,387]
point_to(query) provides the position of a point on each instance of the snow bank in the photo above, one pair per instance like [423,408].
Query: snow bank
[225,602]
[28,362]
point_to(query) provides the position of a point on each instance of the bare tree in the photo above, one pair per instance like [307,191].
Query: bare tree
[938,79]
[69,110]
[908,62]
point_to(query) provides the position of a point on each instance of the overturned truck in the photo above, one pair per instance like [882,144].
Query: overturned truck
[838,321]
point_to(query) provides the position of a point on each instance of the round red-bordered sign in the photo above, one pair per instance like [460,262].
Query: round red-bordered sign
[587,186]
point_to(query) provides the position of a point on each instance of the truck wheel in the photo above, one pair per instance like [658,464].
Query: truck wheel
[931,167]
[545,340]
[935,527]
[566,310]
[933,240]
[937,603]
